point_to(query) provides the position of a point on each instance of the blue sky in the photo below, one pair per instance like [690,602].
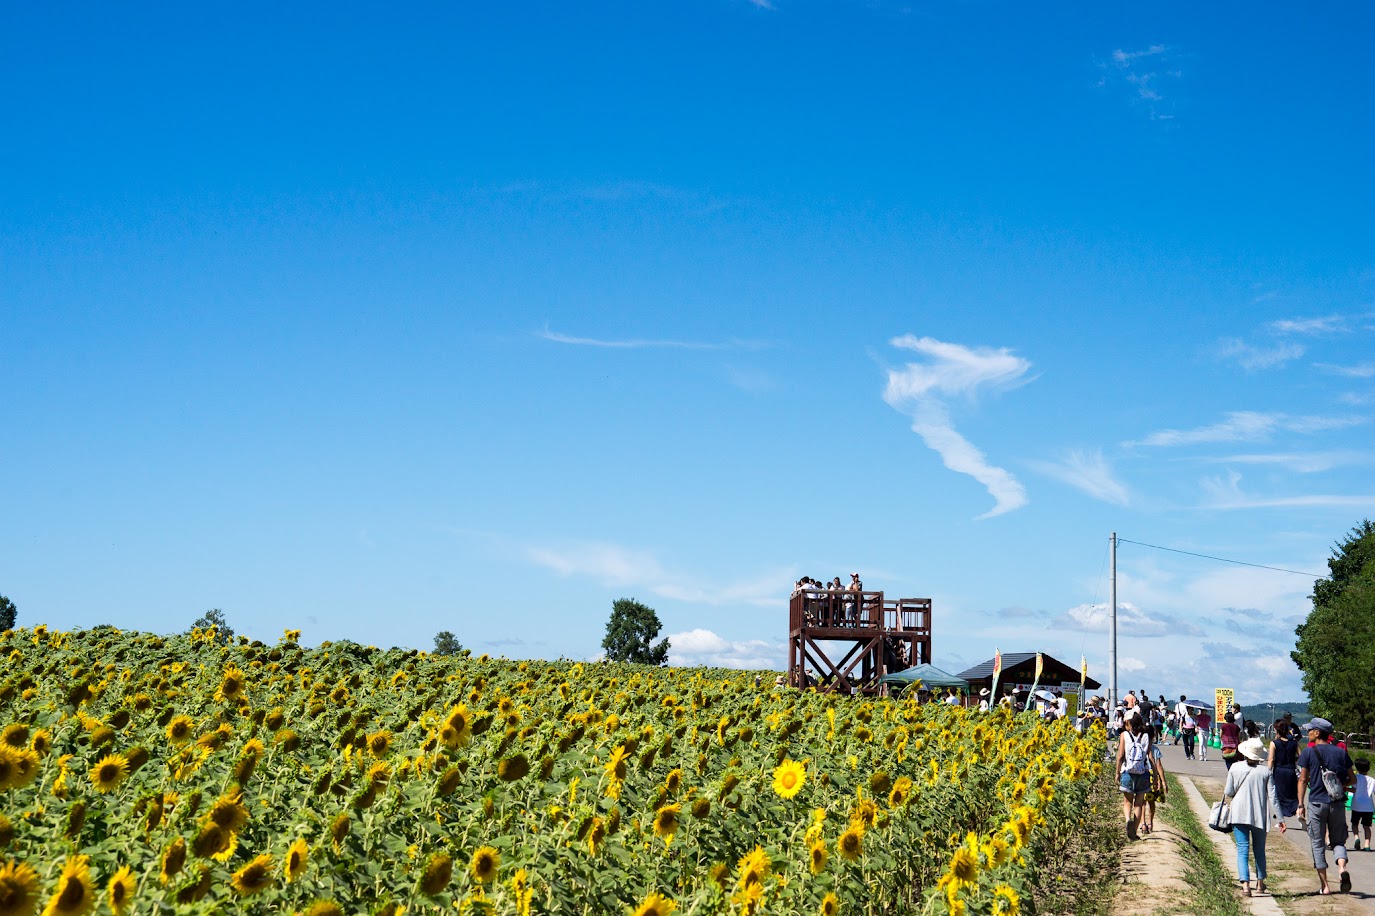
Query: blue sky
[477,318]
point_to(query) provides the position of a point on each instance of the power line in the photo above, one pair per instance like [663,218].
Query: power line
[1225,560]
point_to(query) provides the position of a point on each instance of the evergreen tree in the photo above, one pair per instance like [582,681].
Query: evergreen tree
[1336,645]
[8,613]
[630,634]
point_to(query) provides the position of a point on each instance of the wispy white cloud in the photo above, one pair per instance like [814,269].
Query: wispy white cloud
[1094,618]
[704,647]
[1225,493]
[1301,462]
[622,567]
[1252,358]
[1360,370]
[635,343]
[1327,324]
[1089,471]
[1146,73]
[920,390]
[1247,426]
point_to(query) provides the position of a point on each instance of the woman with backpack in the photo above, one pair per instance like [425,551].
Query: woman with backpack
[1134,770]
[1248,794]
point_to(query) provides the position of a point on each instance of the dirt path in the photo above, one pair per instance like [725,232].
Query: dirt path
[1152,870]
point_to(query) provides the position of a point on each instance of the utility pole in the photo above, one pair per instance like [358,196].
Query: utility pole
[1112,640]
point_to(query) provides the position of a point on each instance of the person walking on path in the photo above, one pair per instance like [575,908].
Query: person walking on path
[1362,802]
[1283,764]
[1248,793]
[1205,722]
[1188,729]
[1229,734]
[1159,788]
[1134,771]
[1326,774]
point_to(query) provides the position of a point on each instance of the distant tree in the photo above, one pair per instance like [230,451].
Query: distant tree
[630,634]
[446,643]
[8,613]
[215,618]
[1336,645]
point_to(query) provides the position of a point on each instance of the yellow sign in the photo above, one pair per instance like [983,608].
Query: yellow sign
[1222,704]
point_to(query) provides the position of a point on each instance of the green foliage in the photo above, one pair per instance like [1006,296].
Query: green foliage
[446,643]
[215,618]
[630,634]
[1336,644]
[8,613]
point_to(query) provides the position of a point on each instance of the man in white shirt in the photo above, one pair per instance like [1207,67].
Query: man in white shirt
[1061,707]
[1241,723]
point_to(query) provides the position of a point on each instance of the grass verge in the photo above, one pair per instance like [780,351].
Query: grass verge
[1080,876]
[1203,870]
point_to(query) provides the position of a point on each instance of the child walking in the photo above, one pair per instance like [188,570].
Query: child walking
[1362,802]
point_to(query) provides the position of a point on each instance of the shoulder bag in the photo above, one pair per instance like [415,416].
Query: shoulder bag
[1220,817]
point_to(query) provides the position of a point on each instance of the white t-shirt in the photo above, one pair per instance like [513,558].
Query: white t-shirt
[1180,709]
[1363,799]
[1062,707]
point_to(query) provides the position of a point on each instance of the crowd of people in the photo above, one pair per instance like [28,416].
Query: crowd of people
[1305,774]
[831,603]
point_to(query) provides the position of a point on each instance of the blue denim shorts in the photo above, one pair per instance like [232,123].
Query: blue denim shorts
[1134,783]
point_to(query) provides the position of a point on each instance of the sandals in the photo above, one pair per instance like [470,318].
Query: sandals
[1246,888]
[1346,882]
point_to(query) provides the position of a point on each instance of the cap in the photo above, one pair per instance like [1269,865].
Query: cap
[1321,725]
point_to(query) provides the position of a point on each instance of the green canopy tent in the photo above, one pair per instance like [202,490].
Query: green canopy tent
[929,675]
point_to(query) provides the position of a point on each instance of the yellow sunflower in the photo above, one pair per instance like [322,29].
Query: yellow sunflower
[817,856]
[788,778]
[1006,901]
[231,687]
[109,772]
[121,889]
[458,727]
[439,871]
[173,858]
[521,891]
[179,729]
[655,904]
[851,842]
[666,822]
[228,812]
[15,736]
[754,866]
[294,865]
[379,743]
[596,835]
[325,908]
[830,904]
[18,889]
[901,792]
[75,893]
[254,877]
[485,863]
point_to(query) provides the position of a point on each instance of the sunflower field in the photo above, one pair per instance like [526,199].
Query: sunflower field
[147,774]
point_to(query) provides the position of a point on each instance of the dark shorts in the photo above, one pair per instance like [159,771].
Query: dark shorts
[1134,783]
[1361,817]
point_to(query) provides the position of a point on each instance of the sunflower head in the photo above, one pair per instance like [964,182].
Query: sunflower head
[75,893]
[179,729]
[121,890]
[324,908]
[655,905]
[513,768]
[851,842]
[18,888]
[701,807]
[173,858]
[817,856]
[338,830]
[1006,901]
[253,878]
[296,858]
[788,778]
[439,871]
[830,905]
[15,736]
[379,743]
[666,822]
[754,866]
[484,864]
[228,812]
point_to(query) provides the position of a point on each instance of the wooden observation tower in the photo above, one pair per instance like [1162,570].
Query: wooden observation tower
[871,636]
